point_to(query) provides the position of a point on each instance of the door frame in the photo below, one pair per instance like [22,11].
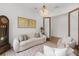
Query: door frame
[69,13]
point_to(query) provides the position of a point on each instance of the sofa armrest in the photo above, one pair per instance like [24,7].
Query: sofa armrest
[43,37]
[16,44]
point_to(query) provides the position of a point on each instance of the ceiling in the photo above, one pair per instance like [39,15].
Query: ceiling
[53,8]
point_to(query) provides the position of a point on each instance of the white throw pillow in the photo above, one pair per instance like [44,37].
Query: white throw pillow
[60,51]
[48,51]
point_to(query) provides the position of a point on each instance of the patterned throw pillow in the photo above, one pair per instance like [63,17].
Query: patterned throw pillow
[25,37]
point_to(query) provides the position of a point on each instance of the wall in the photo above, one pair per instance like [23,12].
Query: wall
[60,25]
[12,11]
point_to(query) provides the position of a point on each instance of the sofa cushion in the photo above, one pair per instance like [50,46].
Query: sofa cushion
[30,41]
[37,35]
[30,35]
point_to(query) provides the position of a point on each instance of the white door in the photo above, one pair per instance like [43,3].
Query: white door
[46,22]
[74,26]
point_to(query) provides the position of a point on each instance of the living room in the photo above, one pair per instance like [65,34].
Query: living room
[58,28]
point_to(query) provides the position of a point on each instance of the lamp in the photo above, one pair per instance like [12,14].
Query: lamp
[43,11]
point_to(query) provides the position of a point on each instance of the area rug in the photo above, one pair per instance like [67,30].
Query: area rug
[29,52]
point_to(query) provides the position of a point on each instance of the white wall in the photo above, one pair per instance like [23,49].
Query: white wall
[12,11]
[60,25]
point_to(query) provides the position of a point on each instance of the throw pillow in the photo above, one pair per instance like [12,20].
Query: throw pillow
[48,51]
[20,38]
[37,35]
[25,37]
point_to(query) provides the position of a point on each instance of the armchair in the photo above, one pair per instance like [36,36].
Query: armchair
[66,41]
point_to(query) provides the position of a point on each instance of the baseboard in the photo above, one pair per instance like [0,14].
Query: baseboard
[56,37]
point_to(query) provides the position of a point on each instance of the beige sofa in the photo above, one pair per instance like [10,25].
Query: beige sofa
[22,45]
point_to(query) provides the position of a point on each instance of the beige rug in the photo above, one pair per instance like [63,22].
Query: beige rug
[29,52]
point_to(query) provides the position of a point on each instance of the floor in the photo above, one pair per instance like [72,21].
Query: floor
[31,52]
[53,42]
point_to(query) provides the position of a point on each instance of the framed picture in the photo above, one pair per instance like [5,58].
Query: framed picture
[32,23]
[22,22]
[26,23]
